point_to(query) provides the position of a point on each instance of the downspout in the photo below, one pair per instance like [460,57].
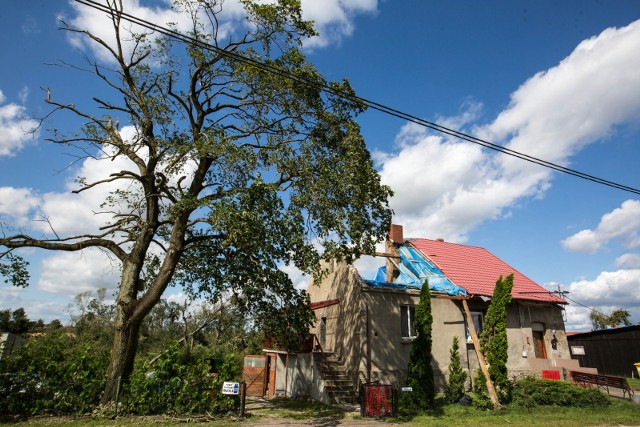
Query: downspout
[368,344]
[286,375]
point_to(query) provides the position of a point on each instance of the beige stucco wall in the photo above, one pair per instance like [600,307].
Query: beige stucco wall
[520,317]
[390,353]
[345,320]
[364,330]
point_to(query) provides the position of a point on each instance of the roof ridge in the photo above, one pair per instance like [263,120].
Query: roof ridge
[409,239]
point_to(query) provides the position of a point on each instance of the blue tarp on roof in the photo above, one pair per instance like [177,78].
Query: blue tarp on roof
[414,269]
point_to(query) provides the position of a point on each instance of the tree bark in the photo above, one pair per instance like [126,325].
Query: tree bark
[123,353]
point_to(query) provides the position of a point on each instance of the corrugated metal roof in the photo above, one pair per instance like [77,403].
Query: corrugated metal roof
[477,270]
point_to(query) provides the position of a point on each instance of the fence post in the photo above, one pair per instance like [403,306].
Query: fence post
[243,397]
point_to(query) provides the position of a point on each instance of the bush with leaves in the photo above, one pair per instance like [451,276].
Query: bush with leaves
[179,382]
[52,374]
[420,371]
[530,392]
[457,376]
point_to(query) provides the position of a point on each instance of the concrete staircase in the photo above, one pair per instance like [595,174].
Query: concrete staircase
[337,381]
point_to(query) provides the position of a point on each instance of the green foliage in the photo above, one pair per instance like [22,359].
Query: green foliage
[179,382]
[457,376]
[237,172]
[481,398]
[16,322]
[494,345]
[52,374]
[420,371]
[92,318]
[14,269]
[531,392]
[618,317]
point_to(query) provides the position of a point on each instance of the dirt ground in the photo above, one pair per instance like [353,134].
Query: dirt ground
[261,413]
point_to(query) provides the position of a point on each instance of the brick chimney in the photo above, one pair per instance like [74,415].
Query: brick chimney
[394,239]
[395,234]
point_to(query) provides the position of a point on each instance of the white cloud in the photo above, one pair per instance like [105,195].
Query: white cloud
[621,224]
[71,273]
[609,291]
[446,188]
[559,111]
[577,319]
[610,288]
[17,202]
[298,278]
[101,26]
[368,266]
[333,19]
[16,129]
[628,261]
[37,307]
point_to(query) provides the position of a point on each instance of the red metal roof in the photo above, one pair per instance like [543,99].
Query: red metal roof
[477,270]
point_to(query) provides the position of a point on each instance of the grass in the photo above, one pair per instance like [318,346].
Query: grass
[634,383]
[620,412]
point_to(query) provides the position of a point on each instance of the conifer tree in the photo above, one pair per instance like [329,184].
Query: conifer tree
[493,342]
[457,376]
[420,371]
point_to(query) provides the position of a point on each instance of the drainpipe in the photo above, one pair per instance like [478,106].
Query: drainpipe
[286,375]
[368,344]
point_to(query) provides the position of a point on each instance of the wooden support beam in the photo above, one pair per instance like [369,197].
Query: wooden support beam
[386,255]
[483,364]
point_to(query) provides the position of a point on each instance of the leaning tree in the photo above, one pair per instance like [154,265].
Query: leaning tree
[236,169]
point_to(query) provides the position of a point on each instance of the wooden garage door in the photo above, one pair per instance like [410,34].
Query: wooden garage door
[254,375]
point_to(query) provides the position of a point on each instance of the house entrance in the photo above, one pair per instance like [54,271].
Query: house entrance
[537,330]
[323,333]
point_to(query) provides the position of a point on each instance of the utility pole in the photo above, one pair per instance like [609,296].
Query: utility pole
[561,294]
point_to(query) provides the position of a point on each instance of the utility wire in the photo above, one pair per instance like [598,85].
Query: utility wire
[585,306]
[371,104]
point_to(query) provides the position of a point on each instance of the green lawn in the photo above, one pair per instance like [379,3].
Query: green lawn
[619,413]
[634,383]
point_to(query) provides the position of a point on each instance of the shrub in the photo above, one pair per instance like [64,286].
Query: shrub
[457,376]
[52,374]
[179,382]
[419,371]
[529,392]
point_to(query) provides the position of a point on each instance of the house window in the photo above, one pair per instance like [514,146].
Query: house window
[407,314]
[477,317]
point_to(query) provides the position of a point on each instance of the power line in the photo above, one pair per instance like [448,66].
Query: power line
[371,104]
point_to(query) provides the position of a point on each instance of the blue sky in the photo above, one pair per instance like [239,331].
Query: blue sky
[557,80]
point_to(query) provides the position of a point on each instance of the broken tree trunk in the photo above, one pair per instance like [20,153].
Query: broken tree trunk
[483,364]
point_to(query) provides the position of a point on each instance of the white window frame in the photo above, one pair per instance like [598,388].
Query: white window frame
[407,319]
[477,317]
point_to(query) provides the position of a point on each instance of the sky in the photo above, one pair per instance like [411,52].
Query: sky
[557,80]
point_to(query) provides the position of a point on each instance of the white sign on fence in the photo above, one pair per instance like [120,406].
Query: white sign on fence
[231,388]
[577,350]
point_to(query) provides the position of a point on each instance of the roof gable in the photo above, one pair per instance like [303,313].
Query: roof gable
[477,270]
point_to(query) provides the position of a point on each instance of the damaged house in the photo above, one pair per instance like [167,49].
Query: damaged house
[364,329]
